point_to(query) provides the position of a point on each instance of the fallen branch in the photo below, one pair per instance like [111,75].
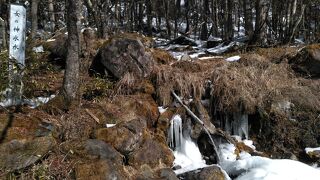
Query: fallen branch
[199,121]
[93,116]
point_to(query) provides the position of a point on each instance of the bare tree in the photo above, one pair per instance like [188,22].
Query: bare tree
[34,17]
[261,17]
[71,76]
[247,9]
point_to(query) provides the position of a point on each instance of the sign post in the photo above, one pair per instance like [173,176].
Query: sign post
[17,51]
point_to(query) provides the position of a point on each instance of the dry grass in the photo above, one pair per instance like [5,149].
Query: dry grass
[188,79]
[255,82]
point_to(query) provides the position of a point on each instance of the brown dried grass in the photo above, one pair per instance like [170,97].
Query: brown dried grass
[188,79]
[254,82]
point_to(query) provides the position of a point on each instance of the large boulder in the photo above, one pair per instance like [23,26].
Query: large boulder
[126,108]
[307,61]
[122,55]
[57,46]
[153,153]
[99,149]
[18,154]
[124,137]
[101,169]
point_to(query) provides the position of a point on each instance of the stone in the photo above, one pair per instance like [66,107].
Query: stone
[57,46]
[19,154]
[213,42]
[207,173]
[307,61]
[120,138]
[102,169]
[146,173]
[168,174]
[152,153]
[124,137]
[25,125]
[101,150]
[183,40]
[127,108]
[122,55]
[88,45]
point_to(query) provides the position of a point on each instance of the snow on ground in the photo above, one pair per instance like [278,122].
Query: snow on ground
[162,109]
[220,48]
[248,167]
[110,125]
[187,154]
[33,103]
[210,57]
[233,58]
[188,157]
[38,49]
[310,150]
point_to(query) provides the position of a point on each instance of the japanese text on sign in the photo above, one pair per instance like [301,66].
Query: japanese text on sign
[17,33]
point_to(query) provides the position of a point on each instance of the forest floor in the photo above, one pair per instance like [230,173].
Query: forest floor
[281,101]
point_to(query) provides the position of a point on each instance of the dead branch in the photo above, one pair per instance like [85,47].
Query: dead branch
[199,121]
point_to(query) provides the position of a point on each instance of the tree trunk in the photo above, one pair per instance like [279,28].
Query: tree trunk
[34,17]
[260,27]
[176,17]
[149,17]
[166,7]
[71,76]
[294,28]
[205,14]
[51,14]
[3,37]
[248,18]
[187,9]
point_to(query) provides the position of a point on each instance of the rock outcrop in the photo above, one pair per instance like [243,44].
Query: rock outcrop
[122,55]
[307,61]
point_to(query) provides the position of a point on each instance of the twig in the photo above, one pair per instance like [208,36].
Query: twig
[199,121]
[93,116]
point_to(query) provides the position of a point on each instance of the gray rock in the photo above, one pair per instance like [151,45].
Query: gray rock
[168,174]
[101,169]
[19,154]
[307,61]
[100,149]
[123,55]
[124,137]
[207,173]
[183,40]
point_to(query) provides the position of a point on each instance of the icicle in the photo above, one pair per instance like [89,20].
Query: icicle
[240,125]
[175,132]
[227,124]
[199,121]
[186,152]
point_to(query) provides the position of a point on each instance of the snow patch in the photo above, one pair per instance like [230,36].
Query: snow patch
[233,58]
[310,150]
[38,49]
[247,167]
[162,109]
[110,125]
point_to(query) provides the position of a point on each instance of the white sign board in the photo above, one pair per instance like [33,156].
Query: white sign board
[17,33]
